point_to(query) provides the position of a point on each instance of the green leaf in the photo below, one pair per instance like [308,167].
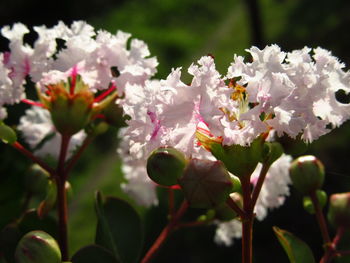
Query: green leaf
[93,254]
[7,134]
[297,250]
[9,237]
[119,228]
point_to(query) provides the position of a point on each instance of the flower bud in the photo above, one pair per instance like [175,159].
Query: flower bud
[37,247]
[309,206]
[37,179]
[339,210]
[165,166]
[206,184]
[69,112]
[307,174]
[73,105]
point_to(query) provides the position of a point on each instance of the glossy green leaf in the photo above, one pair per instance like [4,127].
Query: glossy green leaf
[7,134]
[93,254]
[297,250]
[119,228]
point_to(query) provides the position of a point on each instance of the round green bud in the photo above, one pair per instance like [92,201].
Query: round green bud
[37,247]
[208,216]
[165,166]
[36,180]
[322,200]
[339,210]
[206,184]
[236,182]
[307,174]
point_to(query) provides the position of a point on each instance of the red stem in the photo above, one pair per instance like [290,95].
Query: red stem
[169,228]
[247,221]
[35,159]
[232,204]
[78,154]
[320,219]
[327,243]
[331,252]
[171,202]
[259,184]
[61,178]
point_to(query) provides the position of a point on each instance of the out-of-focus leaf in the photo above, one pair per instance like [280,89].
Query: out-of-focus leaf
[297,250]
[93,254]
[7,134]
[119,228]
[9,237]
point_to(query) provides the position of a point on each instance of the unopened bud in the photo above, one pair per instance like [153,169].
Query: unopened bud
[36,180]
[165,166]
[339,210]
[307,174]
[206,184]
[37,247]
[309,206]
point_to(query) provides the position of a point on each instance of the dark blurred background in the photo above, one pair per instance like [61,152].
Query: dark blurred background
[178,33]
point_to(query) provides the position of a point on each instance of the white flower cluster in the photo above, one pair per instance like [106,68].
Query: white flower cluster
[295,90]
[277,93]
[99,57]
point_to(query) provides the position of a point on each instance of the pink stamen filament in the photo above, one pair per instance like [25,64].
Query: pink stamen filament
[74,79]
[106,93]
[33,103]
[156,122]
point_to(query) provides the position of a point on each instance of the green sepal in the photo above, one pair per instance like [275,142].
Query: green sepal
[297,250]
[7,134]
[93,254]
[322,200]
[239,160]
[119,228]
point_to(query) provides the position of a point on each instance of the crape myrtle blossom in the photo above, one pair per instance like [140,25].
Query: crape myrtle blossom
[40,134]
[296,91]
[272,195]
[168,112]
[100,58]
[281,93]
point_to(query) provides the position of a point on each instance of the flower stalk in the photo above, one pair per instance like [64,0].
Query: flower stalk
[60,178]
[169,228]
